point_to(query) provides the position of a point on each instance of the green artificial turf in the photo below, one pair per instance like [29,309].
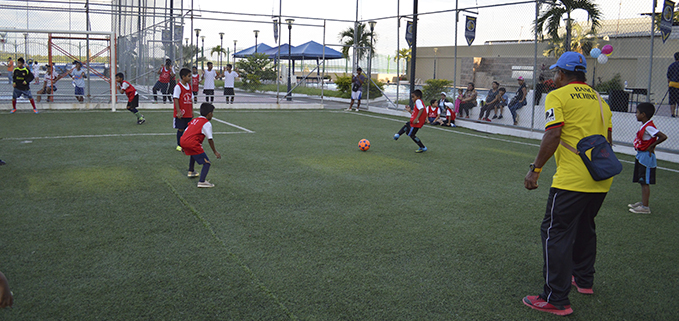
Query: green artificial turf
[301,224]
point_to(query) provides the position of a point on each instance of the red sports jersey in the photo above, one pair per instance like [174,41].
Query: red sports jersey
[164,75]
[195,80]
[185,101]
[432,111]
[130,92]
[639,143]
[192,139]
[419,105]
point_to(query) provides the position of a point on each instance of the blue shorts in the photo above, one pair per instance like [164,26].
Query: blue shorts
[181,123]
[79,91]
[18,93]
[201,158]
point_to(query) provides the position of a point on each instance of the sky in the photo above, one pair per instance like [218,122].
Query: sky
[497,23]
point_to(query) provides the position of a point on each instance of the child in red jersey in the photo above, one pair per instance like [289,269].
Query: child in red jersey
[195,82]
[132,96]
[645,163]
[192,143]
[417,119]
[433,111]
[183,104]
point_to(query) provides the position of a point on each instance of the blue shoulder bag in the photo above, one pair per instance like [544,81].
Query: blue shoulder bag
[597,154]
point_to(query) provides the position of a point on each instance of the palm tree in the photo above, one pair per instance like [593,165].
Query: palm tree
[404,54]
[346,37]
[217,50]
[581,42]
[552,14]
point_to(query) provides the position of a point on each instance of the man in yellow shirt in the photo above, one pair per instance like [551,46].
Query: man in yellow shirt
[673,84]
[572,112]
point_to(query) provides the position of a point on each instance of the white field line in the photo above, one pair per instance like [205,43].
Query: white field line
[108,135]
[232,125]
[493,138]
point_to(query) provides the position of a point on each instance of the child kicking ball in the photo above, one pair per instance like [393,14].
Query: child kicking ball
[192,144]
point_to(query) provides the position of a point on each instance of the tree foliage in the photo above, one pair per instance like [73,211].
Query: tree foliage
[581,41]
[346,37]
[433,87]
[404,54]
[551,16]
[254,69]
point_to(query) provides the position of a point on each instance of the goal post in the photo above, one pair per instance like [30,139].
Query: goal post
[111,38]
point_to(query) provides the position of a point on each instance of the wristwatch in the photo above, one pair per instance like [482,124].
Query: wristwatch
[535,169]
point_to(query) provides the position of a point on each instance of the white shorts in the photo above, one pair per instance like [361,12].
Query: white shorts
[356,95]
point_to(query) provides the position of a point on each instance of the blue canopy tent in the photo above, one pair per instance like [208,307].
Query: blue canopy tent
[308,51]
[261,48]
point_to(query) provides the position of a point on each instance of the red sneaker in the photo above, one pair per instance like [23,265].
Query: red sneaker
[486,119]
[537,303]
[581,290]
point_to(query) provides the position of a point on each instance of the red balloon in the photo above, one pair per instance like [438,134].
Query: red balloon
[607,49]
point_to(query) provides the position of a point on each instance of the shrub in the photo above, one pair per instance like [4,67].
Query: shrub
[344,87]
[433,88]
[251,82]
[614,84]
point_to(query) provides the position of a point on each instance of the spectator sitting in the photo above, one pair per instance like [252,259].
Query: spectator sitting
[468,100]
[433,114]
[449,120]
[442,103]
[519,100]
[502,102]
[540,88]
[458,100]
[491,100]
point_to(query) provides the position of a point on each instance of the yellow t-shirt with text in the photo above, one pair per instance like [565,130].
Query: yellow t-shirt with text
[575,108]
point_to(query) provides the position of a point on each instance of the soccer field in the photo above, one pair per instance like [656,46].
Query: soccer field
[99,221]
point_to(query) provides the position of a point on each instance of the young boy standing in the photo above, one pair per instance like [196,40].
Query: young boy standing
[22,77]
[78,77]
[229,83]
[645,163]
[36,71]
[192,143]
[195,83]
[417,119]
[132,96]
[183,104]
[209,76]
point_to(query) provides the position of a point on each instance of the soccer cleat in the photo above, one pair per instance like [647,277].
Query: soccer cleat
[641,210]
[494,116]
[193,174]
[13,111]
[179,148]
[396,136]
[581,290]
[633,205]
[486,119]
[141,120]
[35,111]
[537,303]
[2,163]
[499,117]
[205,184]
[421,150]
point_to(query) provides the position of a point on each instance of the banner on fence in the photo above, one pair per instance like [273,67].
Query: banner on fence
[470,29]
[666,20]
[409,33]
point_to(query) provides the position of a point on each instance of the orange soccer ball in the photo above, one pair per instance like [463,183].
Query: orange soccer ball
[364,144]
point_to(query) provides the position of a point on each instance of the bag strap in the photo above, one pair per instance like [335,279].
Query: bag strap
[601,108]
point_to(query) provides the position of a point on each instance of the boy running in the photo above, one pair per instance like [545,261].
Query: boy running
[192,143]
[22,77]
[229,83]
[166,73]
[645,163]
[417,119]
[209,76]
[78,77]
[132,96]
[183,104]
[195,83]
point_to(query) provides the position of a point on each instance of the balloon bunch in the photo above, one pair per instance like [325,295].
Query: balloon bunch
[602,54]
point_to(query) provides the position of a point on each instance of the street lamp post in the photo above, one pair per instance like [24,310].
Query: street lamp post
[221,48]
[202,52]
[187,42]
[289,21]
[234,53]
[26,46]
[370,61]
[256,34]
[436,50]
[197,34]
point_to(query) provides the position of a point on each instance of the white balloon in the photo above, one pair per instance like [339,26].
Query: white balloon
[602,59]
